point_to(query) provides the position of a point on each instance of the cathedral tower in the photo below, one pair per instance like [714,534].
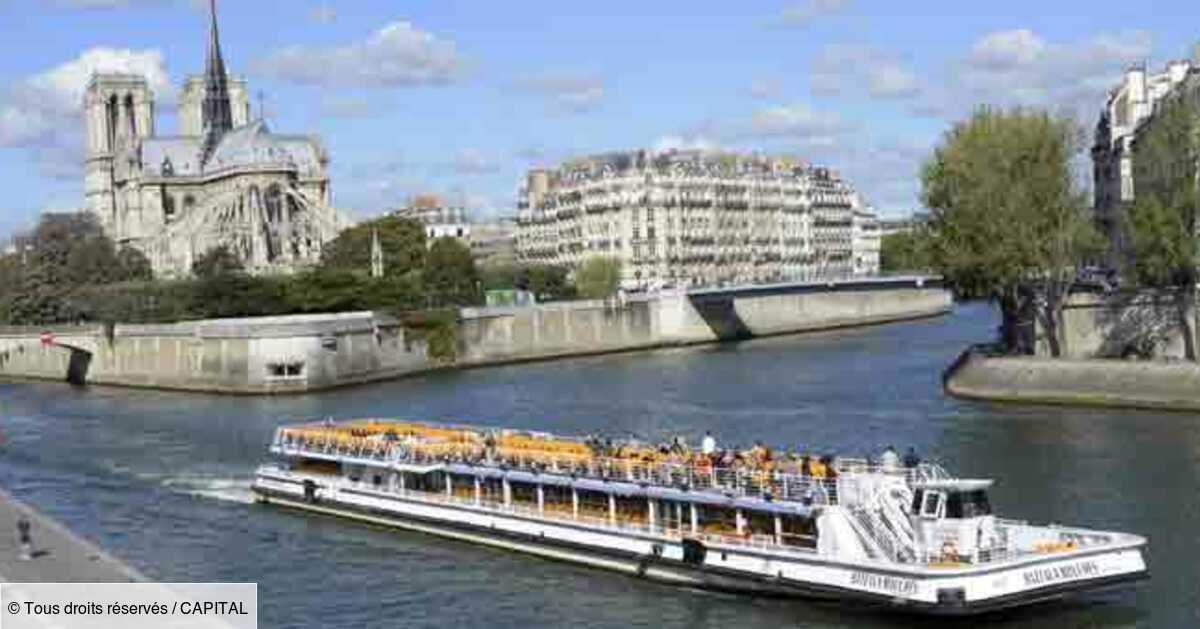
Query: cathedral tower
[118,115]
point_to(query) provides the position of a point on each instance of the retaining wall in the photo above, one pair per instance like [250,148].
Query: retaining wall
[1115,383]
[310,352]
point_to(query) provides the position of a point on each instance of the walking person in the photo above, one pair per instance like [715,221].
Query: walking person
[24,539]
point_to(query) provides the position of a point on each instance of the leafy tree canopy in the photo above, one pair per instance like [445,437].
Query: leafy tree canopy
[598,277]
[1005,211]
[402,241]
[450,274]
[218,262]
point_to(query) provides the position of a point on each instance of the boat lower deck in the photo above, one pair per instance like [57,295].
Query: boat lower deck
[680,558]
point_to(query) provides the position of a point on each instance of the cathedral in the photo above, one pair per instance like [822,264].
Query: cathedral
[226,179]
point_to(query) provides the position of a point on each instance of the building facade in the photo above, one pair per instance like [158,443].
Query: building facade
[225,180]
[697,218]
[1127,108]
[494,243]
[440,219]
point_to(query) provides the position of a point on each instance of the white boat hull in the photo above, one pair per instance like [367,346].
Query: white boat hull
[950,591]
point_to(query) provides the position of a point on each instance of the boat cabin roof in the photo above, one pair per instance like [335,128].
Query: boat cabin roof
[955,484]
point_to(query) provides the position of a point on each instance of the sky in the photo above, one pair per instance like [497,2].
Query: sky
[460,98]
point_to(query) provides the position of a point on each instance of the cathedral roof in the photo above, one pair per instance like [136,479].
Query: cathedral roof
[248,146]
[178,156]
[254,144]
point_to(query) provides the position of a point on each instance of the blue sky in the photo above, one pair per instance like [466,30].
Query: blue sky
[460,97]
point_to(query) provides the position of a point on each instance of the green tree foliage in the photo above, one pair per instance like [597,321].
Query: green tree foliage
[1163,246]
[1006,215]
[63,256]
[402,241]
[218,262]
[1162,222]
[499,276]
[905,251]
[598,277]
[546,282]
[451,278]
[134,265]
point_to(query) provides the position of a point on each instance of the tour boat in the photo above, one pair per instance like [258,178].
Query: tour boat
[912,538]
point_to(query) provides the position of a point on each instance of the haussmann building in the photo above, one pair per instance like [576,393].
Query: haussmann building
[681,219]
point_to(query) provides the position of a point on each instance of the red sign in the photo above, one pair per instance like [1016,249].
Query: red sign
[47,338]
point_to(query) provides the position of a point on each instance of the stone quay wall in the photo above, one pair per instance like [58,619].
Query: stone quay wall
[1112,383]
[294,354]
[1117,325]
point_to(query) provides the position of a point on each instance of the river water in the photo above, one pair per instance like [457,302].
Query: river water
[161,479]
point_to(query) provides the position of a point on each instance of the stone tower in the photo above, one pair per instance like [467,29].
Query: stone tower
[118,115]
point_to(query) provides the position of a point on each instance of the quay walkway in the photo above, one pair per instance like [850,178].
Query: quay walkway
[60,556]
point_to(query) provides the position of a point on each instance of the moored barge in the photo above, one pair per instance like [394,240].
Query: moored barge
[912,538]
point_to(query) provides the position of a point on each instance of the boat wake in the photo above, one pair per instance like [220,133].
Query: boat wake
[224,489]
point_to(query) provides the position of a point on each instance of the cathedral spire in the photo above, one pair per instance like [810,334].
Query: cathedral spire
[218,113]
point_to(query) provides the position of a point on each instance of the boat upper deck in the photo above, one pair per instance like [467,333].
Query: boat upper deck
[756,473]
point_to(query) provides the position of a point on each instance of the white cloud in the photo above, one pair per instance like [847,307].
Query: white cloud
[470,161]
[796,122]
[42,108]
[686,142]
[843,68]
[805,12]
[1020,67]
[565,92]
[397,55]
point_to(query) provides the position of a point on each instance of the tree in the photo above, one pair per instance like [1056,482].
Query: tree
[133,266]
[402,241]
[546,282]
[1162,222]
[905,251]
[218,262]
[450,274]
[598,277]
[1007,220]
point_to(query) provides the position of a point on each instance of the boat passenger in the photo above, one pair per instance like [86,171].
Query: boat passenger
[889,460]
[709,445]
[817,468]
[830,466]
[911,460]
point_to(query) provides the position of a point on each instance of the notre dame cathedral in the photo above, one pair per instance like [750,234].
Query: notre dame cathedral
[224,180]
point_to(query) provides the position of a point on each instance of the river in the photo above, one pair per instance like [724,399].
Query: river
[160,479]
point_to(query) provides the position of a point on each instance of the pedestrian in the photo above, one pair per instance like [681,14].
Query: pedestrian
[24,539]
[911,460]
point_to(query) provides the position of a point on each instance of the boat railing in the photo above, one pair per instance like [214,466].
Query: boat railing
[771,480]
[798,543]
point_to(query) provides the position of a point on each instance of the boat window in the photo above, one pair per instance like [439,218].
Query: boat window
[931,505]
[968,504]
[918,496]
